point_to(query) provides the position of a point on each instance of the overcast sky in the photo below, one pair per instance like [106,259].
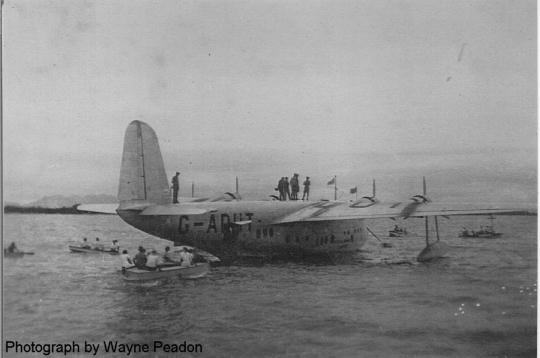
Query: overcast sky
[267,88]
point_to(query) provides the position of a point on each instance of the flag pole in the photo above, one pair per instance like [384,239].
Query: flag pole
[356,192]
[192,189]
[335,187]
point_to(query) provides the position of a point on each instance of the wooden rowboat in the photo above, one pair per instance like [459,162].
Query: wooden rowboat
[198,270]
[16,254]
[91,251]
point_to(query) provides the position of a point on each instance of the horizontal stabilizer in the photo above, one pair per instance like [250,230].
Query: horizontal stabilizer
[172,209]
[98,208]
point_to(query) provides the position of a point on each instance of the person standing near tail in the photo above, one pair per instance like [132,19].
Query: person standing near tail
[295,187]
[307,183]
[287,189]
[281,189]
[175,187]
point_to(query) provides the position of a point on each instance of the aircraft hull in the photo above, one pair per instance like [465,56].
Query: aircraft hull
[213,232]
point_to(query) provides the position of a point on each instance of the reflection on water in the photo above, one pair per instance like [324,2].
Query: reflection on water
[478,301]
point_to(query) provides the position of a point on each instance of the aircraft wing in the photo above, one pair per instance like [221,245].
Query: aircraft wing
[450,212]
[98,208]
[225,197]
[330,211]
[143,209]
[172,209]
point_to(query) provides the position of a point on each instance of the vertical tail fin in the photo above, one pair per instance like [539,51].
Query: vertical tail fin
[142,175]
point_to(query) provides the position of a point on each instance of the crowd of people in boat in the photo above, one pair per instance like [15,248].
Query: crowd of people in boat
[152,261]
[397,231]
[288,190]
[485,231]
[144,260]
[99,246]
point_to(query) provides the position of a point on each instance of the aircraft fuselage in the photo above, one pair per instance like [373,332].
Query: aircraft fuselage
[248,228]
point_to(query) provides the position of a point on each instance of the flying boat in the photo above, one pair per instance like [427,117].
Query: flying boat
[232,228]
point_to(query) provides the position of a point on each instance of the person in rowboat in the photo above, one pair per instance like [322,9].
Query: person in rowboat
[140,258]
[98,245]
[12,249]
[152,261]
[186,257]
[86,244]
[115,247]
[126,261]
[167,255]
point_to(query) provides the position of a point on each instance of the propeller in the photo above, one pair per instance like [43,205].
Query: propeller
[366,201]
[372,198]
[424,192]
[422,198]
[417,200]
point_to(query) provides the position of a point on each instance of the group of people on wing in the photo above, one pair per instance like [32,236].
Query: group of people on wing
[99,246]
[152,261]
[288,190]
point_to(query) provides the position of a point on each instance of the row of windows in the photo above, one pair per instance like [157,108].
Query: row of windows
[348,232]
[266,232]
[322,240]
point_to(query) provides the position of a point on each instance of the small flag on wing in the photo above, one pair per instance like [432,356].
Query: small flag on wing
[331,181]
[353,190]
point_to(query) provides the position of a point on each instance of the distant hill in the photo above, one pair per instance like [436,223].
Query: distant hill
[58,204]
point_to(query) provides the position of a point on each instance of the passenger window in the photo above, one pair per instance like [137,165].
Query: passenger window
[332,238]
[258,233]
[287,239]
[271,232]
[265,232]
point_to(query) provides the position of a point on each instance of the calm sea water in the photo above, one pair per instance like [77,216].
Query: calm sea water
[479,301]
